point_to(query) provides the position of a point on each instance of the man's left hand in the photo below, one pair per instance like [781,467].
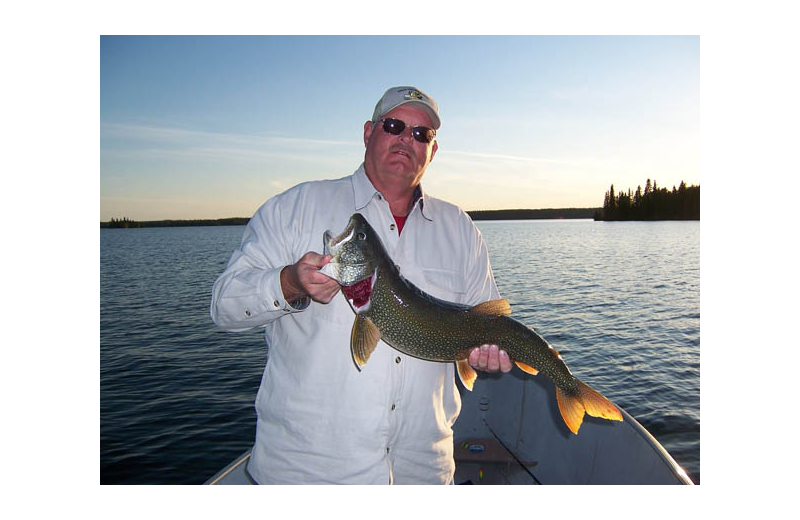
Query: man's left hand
[489,358]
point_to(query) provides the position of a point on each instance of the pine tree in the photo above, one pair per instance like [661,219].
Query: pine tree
[610,205]
[637,200]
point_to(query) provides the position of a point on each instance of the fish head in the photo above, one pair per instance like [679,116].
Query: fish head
[356,252]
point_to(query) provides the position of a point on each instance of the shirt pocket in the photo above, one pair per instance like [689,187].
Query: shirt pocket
[445,284]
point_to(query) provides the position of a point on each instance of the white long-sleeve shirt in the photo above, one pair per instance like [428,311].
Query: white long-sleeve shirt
[320,420]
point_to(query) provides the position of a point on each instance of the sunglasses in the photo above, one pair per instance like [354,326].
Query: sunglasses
[423,134]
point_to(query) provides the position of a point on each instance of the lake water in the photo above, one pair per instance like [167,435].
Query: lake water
[619,300]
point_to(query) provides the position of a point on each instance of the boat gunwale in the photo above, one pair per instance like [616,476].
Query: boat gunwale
[679,472]
[224,472]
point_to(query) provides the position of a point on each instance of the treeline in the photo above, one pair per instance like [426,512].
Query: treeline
[501,214]
[654,203]
[128,223]
[531,214]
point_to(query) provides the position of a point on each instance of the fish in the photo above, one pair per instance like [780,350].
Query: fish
[389,307]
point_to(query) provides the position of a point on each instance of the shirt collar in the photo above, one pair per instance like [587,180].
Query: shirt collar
[364,191]
[422,197]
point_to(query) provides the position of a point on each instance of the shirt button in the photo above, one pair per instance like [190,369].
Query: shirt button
[247,313]
[397,359]
[392,227]
[392,407]
[276,304]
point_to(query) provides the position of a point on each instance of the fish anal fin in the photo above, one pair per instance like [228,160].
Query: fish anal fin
[493,307]
[466,373]
[596,404]
[363,339]
[526,368]
[571,409]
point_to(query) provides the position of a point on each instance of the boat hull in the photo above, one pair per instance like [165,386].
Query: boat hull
[510,432]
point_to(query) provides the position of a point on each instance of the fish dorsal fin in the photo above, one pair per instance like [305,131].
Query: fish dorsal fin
[363,339]
[466,373]
[527,368]
[493,308]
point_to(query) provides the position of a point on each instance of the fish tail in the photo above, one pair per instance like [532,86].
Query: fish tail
[571,408]
[596,404]
[584,400]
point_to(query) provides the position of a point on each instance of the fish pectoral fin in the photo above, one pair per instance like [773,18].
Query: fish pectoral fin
[466,373]
[363,340]
[526,368]
[493,308]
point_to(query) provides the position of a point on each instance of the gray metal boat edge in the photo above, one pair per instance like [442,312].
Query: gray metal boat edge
[680,474]
[234,473]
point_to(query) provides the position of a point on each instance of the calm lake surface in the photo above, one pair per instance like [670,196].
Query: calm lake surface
[619,300]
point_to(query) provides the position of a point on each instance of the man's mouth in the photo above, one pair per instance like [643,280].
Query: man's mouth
[402,151]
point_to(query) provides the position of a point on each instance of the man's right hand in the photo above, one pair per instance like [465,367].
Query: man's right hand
[304,279]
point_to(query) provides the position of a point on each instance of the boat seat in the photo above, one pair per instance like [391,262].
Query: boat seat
[486,461]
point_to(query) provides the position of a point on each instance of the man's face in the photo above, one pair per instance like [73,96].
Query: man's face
[392,159]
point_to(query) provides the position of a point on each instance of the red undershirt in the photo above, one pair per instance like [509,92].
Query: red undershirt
[400,223]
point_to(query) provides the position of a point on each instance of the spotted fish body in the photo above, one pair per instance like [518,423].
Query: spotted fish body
[391,308]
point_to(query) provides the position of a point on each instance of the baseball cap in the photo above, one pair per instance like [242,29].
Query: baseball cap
[396,96]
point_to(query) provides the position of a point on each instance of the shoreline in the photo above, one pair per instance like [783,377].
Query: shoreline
[499,214]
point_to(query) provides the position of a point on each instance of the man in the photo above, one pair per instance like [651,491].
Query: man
[320,420]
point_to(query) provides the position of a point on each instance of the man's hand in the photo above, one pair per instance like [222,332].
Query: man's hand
[489,358]
[304,279]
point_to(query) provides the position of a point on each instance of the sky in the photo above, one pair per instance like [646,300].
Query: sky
[211,127]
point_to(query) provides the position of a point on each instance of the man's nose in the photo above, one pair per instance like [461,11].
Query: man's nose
[406,134]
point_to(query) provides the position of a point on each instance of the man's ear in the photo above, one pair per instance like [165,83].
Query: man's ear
[368,126]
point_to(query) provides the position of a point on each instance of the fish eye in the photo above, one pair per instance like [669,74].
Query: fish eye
[361,236]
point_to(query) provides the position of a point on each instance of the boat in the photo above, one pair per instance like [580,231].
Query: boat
[511,432]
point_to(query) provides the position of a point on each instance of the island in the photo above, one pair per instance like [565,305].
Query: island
[654,203]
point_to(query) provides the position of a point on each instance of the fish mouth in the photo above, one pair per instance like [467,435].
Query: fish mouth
[332,245]
[327,240]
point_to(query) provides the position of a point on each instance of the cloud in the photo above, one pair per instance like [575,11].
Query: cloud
[131,141]
[524,159]
[132,133]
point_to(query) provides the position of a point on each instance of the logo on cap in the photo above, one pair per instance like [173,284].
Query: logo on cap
[413,94]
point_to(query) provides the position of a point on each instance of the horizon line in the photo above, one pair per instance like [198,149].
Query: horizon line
[466,211]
